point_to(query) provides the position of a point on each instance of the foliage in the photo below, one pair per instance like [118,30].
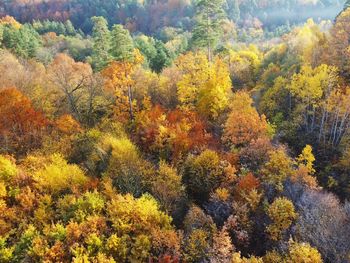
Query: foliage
[282,214]
[244,123]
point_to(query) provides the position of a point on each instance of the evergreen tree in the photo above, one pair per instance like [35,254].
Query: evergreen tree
[207,30]
[23,41]
[347,4]
[101,42]
[161,59]
[234,12]
[122,46]
[70,30]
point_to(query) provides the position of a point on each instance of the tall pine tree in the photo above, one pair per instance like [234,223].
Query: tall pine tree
[122,45]
[208,30]
[101,42]
[347,4]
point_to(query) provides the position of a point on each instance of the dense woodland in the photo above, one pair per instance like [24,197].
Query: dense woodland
[175,131]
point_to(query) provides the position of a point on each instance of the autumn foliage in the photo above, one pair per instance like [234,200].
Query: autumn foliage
[21,126]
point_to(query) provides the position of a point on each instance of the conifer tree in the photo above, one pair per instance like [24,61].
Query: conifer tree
[122,46]
[101,42]
[207,30]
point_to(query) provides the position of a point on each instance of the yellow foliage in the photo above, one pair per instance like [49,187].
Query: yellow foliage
[7,169]
[282,213]
[278,168]
[58,175]
[204,86]
[310,84]
[303,253]
[9,20]
[138,216]
[236,258]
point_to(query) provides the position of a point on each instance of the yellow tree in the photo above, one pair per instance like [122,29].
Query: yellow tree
[308,88]
[282,214]
[303,253]
[204,86]
[119,79]
[307,159]
[277,169]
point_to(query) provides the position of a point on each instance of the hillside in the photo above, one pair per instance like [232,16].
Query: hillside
[175,131]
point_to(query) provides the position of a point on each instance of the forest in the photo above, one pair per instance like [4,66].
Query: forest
[175,131]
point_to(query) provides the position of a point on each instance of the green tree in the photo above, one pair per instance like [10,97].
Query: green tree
[347,4]
[122,46]
[207,30]
[23,41]
[70,30]
[162,58]
[234,11]
[101,42]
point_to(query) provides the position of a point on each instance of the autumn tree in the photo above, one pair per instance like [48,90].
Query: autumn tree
[202,174]
[170,135]
[80,88]
[21,126]
[282,213]
[309,87]
[120,81]
[339,43]
[304,253]
[278,168]
[244,123]
[205,86]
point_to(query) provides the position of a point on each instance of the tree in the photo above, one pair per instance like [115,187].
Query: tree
[21,126]
[119,80]
[167,187]
[73,80]
[244,123]
[309,87]
[234,12]
[303,253]
[136,223]
[162,58]
[57,175]
[23,41]
[307,159]
[205,86]
[282,213]
[347,4]
[122,46]
[207,31]
[101,43]
[170,135]
[278,168]
[339,43]
[129,172]
[202,174]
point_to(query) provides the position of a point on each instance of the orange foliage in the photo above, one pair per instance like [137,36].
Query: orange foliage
[9,20]
[21,126]
[67,124]
[170,134]
[119,79]
[244,123]
[248,183]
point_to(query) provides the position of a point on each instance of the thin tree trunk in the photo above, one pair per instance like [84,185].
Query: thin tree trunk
[130,103]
